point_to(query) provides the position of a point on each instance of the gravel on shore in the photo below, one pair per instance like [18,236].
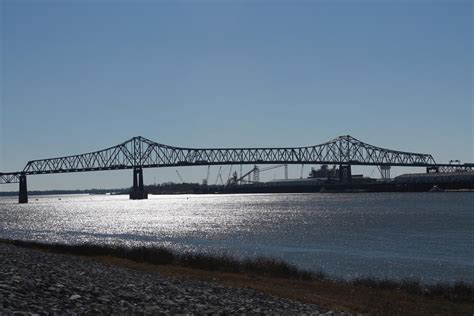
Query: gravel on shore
[35,282]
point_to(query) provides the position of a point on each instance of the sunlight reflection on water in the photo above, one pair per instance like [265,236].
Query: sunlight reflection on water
[420,235]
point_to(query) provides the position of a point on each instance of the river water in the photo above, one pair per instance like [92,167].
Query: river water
[422,236]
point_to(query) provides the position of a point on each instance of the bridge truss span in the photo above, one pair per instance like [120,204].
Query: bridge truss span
[144,153]
[138,153]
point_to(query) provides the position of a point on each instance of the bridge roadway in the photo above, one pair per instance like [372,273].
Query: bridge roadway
[139,152]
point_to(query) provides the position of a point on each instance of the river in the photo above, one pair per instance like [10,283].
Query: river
[423,236]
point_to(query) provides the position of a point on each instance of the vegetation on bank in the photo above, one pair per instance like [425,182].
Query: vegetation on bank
[164,256]
[280,278]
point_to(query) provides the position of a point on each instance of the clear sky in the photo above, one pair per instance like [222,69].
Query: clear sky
[78,76]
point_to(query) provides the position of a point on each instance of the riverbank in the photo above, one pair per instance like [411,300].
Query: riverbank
[44,283]
[213,280]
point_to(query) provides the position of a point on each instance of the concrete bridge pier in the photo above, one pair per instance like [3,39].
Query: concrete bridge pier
[23,192]
[345,174]
[138,191]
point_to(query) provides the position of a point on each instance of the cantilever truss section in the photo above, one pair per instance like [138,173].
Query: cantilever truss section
[140,152]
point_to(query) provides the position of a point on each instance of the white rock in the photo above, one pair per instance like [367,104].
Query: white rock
[74,297]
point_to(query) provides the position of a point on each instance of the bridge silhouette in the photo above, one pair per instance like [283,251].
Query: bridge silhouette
[138,153]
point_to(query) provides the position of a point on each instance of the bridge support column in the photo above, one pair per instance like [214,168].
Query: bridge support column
[138,190]
[23,192]
[385,172]
[345,174]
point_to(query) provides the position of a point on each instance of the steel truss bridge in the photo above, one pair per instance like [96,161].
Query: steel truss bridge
[138,153]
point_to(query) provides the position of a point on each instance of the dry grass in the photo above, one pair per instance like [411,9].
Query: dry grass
[164,256]
[340,296]
[368,296]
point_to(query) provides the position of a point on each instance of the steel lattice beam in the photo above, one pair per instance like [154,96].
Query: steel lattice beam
[9,178]
[449,168]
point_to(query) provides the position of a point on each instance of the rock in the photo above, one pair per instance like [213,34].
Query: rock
[60,284]
[126,304]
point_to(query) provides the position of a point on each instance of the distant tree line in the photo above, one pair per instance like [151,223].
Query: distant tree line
[164,188]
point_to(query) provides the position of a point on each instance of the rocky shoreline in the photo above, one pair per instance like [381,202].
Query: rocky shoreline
[35,282]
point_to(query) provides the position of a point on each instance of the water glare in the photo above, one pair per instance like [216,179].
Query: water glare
[424,236]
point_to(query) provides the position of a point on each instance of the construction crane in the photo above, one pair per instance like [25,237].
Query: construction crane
[235,179]
[272,167]
[205,181]
[230,172]
[181,178]
[256,171]
[218,174]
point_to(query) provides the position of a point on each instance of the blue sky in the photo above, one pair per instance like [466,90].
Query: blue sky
[80,76]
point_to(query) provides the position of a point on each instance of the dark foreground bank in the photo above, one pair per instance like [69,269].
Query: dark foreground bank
[44,283]
[26,272]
